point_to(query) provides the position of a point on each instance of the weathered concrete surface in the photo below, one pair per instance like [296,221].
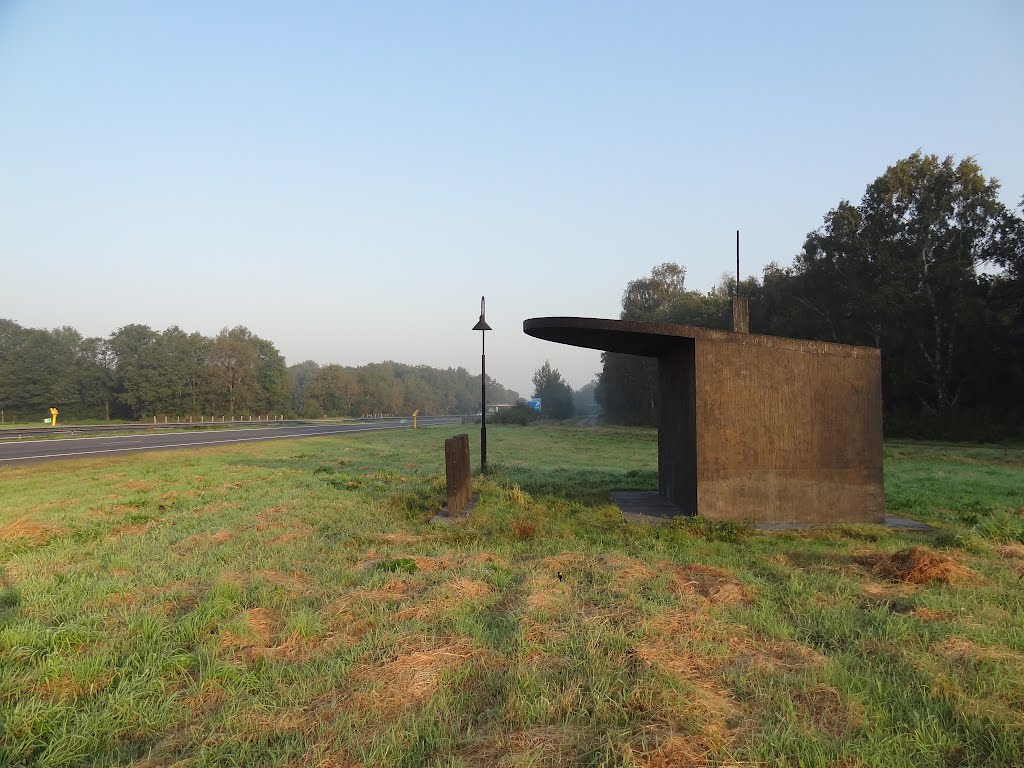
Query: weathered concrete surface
[644,507]
[754,427]
[740,315]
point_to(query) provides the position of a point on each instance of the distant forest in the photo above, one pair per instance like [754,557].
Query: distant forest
[929,266]
[139,373]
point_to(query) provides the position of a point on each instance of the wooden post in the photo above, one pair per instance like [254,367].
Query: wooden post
[456,465]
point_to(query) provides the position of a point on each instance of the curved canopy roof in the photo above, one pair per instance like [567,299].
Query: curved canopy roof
[632,337]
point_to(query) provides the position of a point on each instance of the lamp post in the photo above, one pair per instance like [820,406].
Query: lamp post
[483,327]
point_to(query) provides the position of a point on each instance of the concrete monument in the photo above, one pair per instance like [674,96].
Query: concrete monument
[754,427]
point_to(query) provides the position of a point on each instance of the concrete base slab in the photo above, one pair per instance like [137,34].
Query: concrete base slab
[443,517]
[891,521]
[654,509]
[645,507]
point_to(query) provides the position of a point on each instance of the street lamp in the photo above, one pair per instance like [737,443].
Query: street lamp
[483,327]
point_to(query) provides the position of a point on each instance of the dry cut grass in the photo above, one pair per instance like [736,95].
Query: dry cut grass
[915,565]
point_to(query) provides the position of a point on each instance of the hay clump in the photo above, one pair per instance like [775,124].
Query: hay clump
[22,528]
[676,751]
[1015,551]
[716,585]
[784,655]
[545,747]
[545,593]
[413,675]
[628,570]
[961,649]
[915,565]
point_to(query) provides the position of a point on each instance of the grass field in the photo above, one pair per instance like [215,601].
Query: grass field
[286,604]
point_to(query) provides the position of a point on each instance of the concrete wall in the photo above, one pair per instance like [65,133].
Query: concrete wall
[754,427]
[788,430]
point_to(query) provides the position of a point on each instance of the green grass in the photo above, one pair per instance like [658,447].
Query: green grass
[287,604]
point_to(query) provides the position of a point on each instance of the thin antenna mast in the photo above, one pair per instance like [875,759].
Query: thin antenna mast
[737,263]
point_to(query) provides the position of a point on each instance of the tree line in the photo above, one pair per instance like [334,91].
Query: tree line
[140,373]
[929,266]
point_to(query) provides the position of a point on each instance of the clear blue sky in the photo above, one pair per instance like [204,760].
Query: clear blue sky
[347,178]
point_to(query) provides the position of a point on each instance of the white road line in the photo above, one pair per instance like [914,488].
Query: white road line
[206,442]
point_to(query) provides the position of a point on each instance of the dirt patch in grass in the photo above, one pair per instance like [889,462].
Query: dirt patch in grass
[24,528]
[261,626]
[961,649]
[169,606]
[543,747]
[715,585]
[563,561]
[391,590]
[204,539]
[627,570]
[325,757]
[414,674]
[138,485]
[675,751]
[784,655]
[485,558]
[545,593]
[130,530]
[915,565]
[826,710]
[1011,550]
[885,591]
[288,538]
[347,619]
[927,614]
[273,518]
[538,633]
[65,689]
[210,697]
[448,597]
[1014,554]
[670,646]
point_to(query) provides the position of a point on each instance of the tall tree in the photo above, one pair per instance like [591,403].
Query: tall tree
[95,377]
[273,376]
[300,376]
[234,370]
[901,271]
[556,397]
[334,392]
[140,375]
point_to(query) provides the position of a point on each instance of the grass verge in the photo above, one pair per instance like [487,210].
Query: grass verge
[287,604]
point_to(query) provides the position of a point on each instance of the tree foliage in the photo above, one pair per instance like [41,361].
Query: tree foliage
[556,396]
[139,373]
[929,266]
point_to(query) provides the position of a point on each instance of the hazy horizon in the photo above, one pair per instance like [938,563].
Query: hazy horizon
[347,180]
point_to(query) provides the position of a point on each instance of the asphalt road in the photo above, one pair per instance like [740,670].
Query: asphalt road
[25,451]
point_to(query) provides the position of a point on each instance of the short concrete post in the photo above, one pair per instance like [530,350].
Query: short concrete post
[456,465]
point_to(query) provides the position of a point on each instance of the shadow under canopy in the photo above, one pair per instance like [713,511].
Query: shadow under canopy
[752,427]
